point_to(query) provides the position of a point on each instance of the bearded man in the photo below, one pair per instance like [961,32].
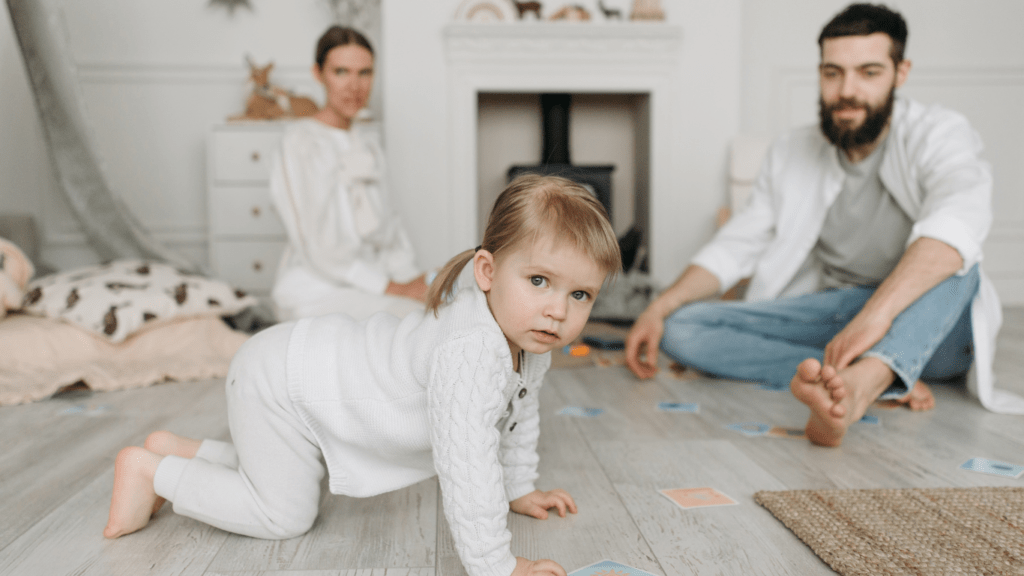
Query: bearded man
[862,238]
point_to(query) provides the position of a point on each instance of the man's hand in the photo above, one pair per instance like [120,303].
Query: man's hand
[863,332]
[925,264]
[416,289]
[526,567]
[644,339]
[536,504]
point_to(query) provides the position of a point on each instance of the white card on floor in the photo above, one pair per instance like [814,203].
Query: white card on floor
[581,412]
[609,568]
[986,466]
[679,407]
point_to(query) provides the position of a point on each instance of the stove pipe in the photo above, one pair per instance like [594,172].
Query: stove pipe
[555,114]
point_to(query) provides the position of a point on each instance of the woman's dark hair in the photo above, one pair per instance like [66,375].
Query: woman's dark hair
[865,19]
[339,36]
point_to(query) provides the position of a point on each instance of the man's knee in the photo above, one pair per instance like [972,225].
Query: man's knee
[695,314]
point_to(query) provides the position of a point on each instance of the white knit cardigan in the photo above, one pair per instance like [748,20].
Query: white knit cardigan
[394,401]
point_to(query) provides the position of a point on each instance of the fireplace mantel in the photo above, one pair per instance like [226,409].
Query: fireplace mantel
[624,58]
[561,41]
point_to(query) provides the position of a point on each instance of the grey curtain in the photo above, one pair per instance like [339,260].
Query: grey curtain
[111,229]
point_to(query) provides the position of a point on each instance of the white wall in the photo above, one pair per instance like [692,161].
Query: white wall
[968,56]
[156,75]
[417,127]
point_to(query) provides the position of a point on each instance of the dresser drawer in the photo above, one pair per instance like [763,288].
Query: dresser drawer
[249,265]
[242,155]
[243,211]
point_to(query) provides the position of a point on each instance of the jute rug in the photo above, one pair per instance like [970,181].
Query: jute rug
[910,531]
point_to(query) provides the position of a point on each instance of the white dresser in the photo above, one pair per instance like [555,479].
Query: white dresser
[246,234]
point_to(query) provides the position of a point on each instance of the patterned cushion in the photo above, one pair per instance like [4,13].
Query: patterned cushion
[115,300]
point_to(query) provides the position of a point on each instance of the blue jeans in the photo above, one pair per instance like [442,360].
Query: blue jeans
[765,341]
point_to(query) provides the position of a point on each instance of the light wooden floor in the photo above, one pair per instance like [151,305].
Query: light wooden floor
[56,470]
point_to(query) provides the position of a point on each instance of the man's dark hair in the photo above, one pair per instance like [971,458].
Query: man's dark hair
[864,19]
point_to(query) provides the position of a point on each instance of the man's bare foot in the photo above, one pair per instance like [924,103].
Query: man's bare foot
[133,500]
[838,399]
[919,399]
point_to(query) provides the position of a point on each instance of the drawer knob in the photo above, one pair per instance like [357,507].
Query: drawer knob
[256,212]
[257,265]
[256,156]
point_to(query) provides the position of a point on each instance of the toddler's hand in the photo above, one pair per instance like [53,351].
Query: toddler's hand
[526,567]
[536,503]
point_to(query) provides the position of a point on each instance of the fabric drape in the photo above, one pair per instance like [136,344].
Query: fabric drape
[109,226]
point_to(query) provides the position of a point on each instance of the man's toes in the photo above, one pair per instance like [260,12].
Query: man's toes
[809,370]
[838,394]
[828,372]
[837,411]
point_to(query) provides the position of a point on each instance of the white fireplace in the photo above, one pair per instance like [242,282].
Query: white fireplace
[629,59]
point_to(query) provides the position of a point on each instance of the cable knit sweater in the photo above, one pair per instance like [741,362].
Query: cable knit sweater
[393,401]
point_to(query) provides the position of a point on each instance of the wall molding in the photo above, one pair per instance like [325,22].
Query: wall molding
[134,73]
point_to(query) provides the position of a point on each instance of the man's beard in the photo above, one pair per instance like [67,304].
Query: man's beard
[847,138]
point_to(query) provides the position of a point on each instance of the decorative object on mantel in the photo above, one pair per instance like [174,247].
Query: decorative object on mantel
[525,8]
[355,13]
[486,11]
[231,5]
[269,102]
[647,10]
[609,13]
[572,13]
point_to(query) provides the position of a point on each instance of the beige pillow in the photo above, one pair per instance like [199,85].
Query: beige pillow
[41,356]
[117,299]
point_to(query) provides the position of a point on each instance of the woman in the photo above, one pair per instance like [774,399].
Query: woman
[347,250]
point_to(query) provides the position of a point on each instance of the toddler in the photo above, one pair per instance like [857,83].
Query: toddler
[387,402]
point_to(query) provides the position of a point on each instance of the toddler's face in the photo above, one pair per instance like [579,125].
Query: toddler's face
[540,295]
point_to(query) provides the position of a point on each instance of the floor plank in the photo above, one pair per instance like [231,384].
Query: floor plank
[394,530]
[56,469]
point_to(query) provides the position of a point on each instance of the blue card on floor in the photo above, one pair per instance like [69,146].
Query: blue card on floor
[581,411]
[679,407]
[986,466]
[750,428]
[870,419]
[609,568]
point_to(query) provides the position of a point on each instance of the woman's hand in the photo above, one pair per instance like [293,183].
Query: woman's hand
[536,503]
[526,567]
[417,289]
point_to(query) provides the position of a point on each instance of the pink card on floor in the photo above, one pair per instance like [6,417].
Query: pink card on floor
[687,498]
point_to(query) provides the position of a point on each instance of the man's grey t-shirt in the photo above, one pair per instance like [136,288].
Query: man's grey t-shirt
[865,231]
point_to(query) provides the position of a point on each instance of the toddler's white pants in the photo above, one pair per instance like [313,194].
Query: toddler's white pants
[267,484]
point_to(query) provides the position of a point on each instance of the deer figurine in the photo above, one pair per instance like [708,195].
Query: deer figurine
[609,13]
[525,8]
[270,102]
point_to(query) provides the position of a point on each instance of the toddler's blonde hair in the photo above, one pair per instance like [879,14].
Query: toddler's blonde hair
[528,208]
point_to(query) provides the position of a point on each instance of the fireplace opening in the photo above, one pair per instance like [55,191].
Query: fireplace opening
[598,140]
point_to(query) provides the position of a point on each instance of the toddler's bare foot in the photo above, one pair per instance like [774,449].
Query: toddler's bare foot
[133,500]
[167,443]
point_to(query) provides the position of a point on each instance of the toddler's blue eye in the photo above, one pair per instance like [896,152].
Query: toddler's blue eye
[581,295]
[537,280]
